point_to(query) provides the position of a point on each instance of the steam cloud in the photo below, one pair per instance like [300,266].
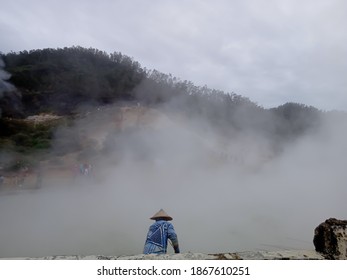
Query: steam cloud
[4,76]
[248,199]
[4,86]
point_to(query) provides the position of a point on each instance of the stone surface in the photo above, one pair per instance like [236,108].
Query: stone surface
[256,255]
[330,239]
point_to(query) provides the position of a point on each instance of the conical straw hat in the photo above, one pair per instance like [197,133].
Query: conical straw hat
[161,214]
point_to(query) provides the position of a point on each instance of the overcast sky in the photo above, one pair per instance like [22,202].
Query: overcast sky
[271,51]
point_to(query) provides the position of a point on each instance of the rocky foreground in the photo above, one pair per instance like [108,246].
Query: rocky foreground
[250,255]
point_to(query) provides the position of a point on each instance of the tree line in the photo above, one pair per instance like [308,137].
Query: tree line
[61,81]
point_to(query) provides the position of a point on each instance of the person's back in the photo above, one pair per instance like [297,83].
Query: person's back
[159,233]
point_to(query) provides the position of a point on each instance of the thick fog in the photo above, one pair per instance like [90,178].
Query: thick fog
[4,76]
[4,86]
[225,194]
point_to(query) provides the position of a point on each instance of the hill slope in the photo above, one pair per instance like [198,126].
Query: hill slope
[73,81]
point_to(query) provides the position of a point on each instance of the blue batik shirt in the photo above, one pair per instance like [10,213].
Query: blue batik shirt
[157,237]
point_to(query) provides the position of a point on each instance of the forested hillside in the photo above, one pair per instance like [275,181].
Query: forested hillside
[70,81]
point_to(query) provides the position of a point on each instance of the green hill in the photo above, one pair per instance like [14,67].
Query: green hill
[69,82]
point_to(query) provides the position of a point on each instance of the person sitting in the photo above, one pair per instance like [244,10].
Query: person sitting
[159,233]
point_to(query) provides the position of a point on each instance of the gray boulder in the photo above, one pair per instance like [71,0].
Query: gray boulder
[330,239]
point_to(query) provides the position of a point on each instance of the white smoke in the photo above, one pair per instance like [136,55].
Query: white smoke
[4,76]
[242,201]
[4,85]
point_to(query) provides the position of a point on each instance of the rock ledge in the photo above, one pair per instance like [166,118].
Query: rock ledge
[249,255]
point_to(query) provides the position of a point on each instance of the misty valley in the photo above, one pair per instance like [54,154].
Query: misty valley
[92,143]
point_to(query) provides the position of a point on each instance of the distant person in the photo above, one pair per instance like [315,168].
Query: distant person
[39,176]
[85,169]
[159,233]
[2,179]
[21,176]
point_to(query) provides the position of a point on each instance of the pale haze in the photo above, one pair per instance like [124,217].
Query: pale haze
[253,199]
